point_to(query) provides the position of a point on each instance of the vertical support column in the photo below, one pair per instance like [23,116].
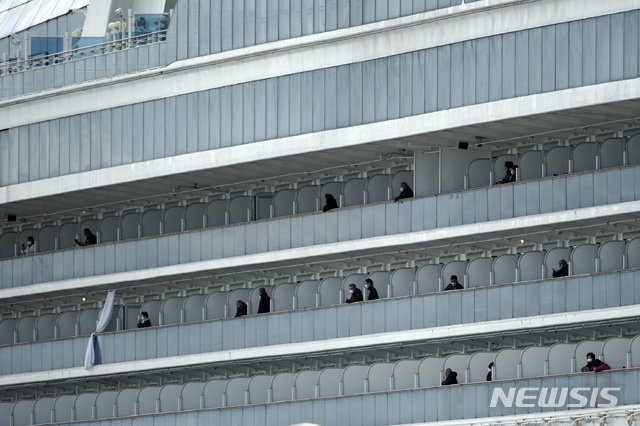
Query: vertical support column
[130,24]
[67,46]
[27,49]
[107,40]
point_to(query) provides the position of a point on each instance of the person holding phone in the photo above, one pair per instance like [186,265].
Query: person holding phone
[30,248]
[143,320]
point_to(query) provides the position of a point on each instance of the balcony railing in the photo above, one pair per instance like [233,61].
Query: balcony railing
[12,66]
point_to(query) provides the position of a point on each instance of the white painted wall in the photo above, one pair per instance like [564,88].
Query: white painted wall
[100,13]
[148,6]
[334,48]
[444,170]
[426,173]
[606,93]
[454,166]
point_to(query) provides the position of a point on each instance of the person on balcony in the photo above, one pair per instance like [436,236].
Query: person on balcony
[264,306]
[30,248]
[405,192]
[450,377]
[454,284]
[600,366]
[143,320]
[510,173]
[373,293]
[356,294]
[330,203]
[490,373]
[90,238]
[590,359]
[241,309]
[563,271]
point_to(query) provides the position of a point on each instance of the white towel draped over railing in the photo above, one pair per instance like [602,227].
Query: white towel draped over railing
[94,355]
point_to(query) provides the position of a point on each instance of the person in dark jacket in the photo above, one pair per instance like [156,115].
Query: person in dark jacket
[143,320]
[241,308]
[90,238]
[373,293]
[454,284]
[450,377]
[405,192]
[489,374]
[330,203]
[510,173]
[563,271]
[356,294]
[264,306]
[591,357]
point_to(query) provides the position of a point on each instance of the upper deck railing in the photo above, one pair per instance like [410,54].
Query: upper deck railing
[35,61]
[87,63]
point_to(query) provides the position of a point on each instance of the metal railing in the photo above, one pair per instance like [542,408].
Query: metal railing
[13,66]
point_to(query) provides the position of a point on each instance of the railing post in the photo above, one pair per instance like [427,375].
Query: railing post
[130,23]
[27,49]
[67,46]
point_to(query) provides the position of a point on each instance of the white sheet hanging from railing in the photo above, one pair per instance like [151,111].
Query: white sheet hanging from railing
[94,355]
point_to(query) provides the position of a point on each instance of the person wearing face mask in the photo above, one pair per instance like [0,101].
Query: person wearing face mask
[30,248]
[454,284]
[143,320]
[590,358]
[356,294]
[405,192]
[489,374]
[373,293]
[510,173]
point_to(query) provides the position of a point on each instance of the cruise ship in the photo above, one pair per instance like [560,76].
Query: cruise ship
[327,212]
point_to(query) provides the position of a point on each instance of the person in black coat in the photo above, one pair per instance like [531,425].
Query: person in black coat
[264,306]
[241,308]
[591,357]
[356,294]
[510,173]
[450,377]
[454,284]
[90,238]
[330,203]
[563,271]
[405,192]
[143,320]
[489,375]
[373,293]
